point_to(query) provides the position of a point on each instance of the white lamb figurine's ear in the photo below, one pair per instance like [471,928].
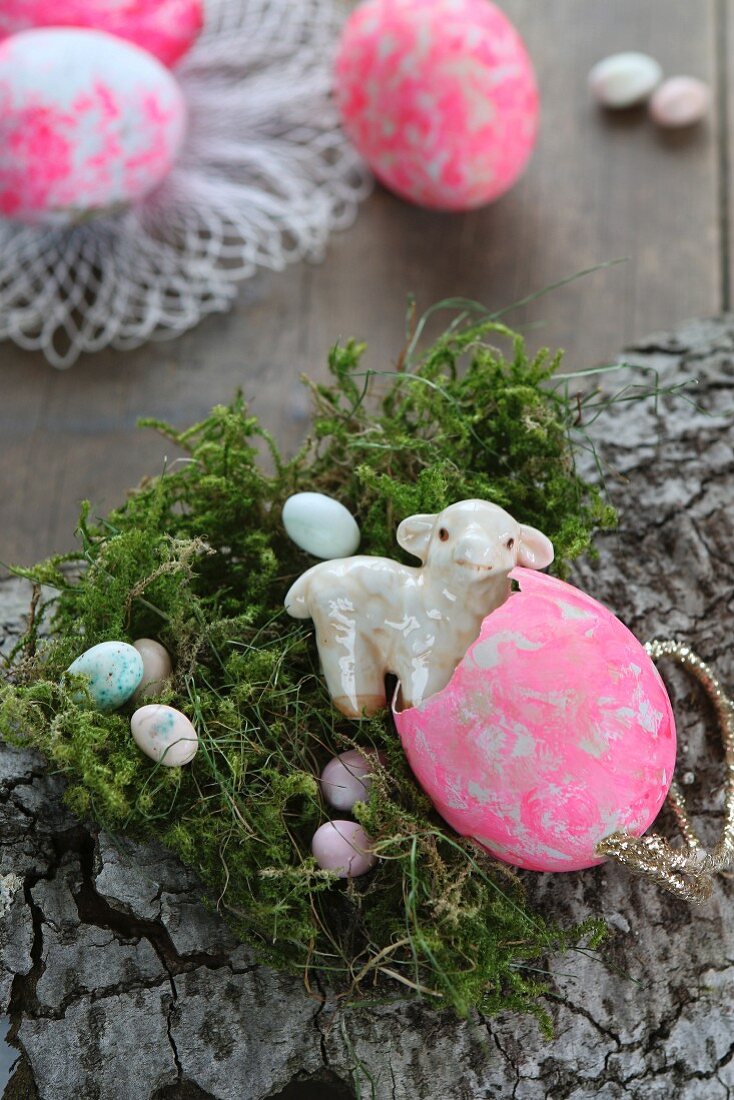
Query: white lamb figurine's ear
[414,534]
[536,551]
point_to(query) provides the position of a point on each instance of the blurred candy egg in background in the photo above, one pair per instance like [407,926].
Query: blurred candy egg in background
[89,124]
[165,28]
[439,97]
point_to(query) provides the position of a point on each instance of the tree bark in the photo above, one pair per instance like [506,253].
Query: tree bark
[120,984]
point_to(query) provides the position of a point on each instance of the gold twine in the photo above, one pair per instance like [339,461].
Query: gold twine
[687,872]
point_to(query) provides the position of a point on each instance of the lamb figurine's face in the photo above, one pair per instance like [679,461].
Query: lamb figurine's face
[474,542]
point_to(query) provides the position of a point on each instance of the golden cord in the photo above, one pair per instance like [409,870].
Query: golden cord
[686,872]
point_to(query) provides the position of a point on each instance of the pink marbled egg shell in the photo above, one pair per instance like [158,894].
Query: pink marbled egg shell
[88,123]
[439,97]
[165,28]
[555,731]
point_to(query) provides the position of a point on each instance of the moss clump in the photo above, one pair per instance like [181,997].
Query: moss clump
[198,558]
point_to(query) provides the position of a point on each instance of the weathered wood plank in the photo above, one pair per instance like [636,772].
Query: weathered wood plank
[598,188]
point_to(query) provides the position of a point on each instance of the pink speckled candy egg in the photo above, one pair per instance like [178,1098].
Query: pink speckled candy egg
[344,847]
[165,28]
[88,124]
[439,97]
[555,731]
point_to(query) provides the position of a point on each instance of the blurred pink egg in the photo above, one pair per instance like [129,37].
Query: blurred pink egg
[680,101]
[439,97]
[347,779]
[555,731]
[344,847]
[165,28]
[88,125]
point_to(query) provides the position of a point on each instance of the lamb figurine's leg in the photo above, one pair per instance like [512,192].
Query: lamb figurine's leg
[354,675]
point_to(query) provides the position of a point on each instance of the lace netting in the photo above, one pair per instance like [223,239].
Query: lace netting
[265,175]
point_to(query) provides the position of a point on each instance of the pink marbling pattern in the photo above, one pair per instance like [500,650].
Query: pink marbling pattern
[439,97]
[165,28]
[555,731]
[88,123]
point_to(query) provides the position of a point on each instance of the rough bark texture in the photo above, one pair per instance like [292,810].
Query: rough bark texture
[121,985]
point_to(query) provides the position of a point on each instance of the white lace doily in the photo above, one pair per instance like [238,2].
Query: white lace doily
[264,176]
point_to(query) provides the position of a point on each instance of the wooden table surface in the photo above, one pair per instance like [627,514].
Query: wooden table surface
[598,188]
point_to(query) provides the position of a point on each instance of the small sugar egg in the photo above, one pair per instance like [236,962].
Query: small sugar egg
[165,28]
[680,101]
[344,847]
[157,667]
[89,125]
[113,669]
[164,734]
[439,97]
[624,79]
[320,525]
[347,779]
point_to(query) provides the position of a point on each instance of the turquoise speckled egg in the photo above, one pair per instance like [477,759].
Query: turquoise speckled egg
[114,670]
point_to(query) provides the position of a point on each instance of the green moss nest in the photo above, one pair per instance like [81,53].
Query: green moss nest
[198,559]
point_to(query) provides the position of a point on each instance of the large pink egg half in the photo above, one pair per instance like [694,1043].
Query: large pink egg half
[88,124]
[555,731]
[439,97]
[165,28]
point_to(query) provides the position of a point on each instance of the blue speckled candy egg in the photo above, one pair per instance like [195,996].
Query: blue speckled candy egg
[114,670]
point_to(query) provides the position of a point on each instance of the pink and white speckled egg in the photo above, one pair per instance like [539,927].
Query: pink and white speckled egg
[439,97]
[165,28]
[555,731]
[88,124]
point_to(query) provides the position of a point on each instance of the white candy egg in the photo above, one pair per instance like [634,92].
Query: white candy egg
[157,667]
[344,847]
[680,101]
[321,525]
[112,670]
[347,779]
[624,79]
[164,734]
[89,124]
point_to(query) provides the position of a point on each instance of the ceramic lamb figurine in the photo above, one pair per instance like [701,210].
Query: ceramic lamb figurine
[374,616]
